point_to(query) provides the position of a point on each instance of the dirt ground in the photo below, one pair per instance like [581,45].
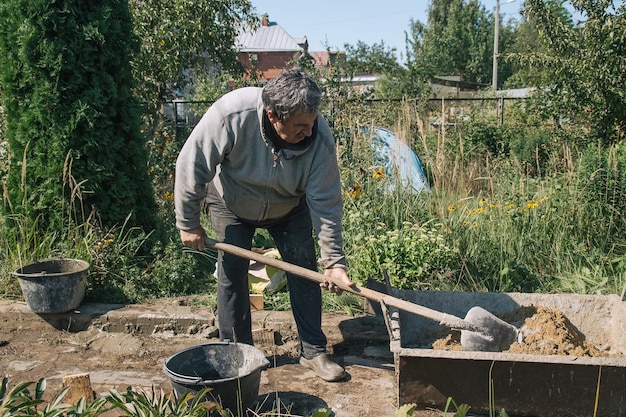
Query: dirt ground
[123,346]
[126,346]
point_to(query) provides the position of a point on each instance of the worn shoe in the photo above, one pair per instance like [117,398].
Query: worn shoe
[326,369]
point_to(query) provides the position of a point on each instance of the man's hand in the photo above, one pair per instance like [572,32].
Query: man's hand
[193,238]
[336,275]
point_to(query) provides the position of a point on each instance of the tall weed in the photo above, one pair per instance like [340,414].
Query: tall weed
[127,264]
[519,207]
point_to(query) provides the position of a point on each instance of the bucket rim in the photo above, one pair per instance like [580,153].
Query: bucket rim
[84,266]
[185,379]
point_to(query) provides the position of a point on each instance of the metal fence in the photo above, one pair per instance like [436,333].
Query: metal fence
[438,113]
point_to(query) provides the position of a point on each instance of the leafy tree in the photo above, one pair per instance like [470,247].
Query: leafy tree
[370,59]
[587,65]
[507,40]
[527,41]
[72,124]
[376,59]
[182,40]
[458,40]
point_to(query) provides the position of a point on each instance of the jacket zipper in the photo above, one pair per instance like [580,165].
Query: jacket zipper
[275,153]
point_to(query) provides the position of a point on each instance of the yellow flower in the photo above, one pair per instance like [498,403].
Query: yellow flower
[483,201]
[533,204]
[379,174]
[168,195]
[451,208]
[355,191]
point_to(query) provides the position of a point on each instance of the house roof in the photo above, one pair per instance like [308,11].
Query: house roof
[267,37]
[457,81]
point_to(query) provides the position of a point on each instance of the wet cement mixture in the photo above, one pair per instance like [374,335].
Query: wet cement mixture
[545,331]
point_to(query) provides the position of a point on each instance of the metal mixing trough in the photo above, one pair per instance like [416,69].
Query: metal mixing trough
[523,384]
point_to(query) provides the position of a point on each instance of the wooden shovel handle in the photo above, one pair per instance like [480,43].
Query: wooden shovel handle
[372,295]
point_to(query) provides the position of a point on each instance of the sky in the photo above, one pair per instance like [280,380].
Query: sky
[337,22]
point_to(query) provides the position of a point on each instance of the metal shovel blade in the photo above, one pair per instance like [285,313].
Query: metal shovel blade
[497,334]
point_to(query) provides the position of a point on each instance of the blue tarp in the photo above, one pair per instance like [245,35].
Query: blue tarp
[398,159]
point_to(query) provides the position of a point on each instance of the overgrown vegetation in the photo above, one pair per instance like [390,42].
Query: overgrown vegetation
[548,219]
[544,216]
[503,214]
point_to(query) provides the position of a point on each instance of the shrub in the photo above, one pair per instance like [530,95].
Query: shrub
[532,150]
[71,119]
[131,266]
[415,256]
[484,138]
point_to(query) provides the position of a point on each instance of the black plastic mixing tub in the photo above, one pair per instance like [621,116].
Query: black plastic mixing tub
[231,370]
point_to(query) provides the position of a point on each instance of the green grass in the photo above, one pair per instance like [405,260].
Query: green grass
[488,224]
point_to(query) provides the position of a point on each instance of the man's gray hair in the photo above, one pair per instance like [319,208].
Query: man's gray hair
[291,92]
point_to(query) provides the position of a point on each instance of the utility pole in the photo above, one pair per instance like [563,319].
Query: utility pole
[496,29]
[496,37]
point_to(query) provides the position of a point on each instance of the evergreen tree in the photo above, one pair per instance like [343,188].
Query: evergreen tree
[73,126]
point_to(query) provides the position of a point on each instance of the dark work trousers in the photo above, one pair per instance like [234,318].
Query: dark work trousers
[293,235]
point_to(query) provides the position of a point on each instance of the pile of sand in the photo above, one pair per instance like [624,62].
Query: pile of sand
[545,331]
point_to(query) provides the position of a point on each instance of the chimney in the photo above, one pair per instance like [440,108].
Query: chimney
[265,20]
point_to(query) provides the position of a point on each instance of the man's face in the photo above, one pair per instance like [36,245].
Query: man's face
[296,128]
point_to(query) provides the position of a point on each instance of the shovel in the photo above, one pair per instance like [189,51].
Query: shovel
[480,330]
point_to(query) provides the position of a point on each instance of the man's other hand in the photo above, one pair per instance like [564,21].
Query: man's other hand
[193,238]
[334,277]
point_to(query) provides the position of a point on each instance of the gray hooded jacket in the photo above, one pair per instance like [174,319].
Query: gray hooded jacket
[256,181]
